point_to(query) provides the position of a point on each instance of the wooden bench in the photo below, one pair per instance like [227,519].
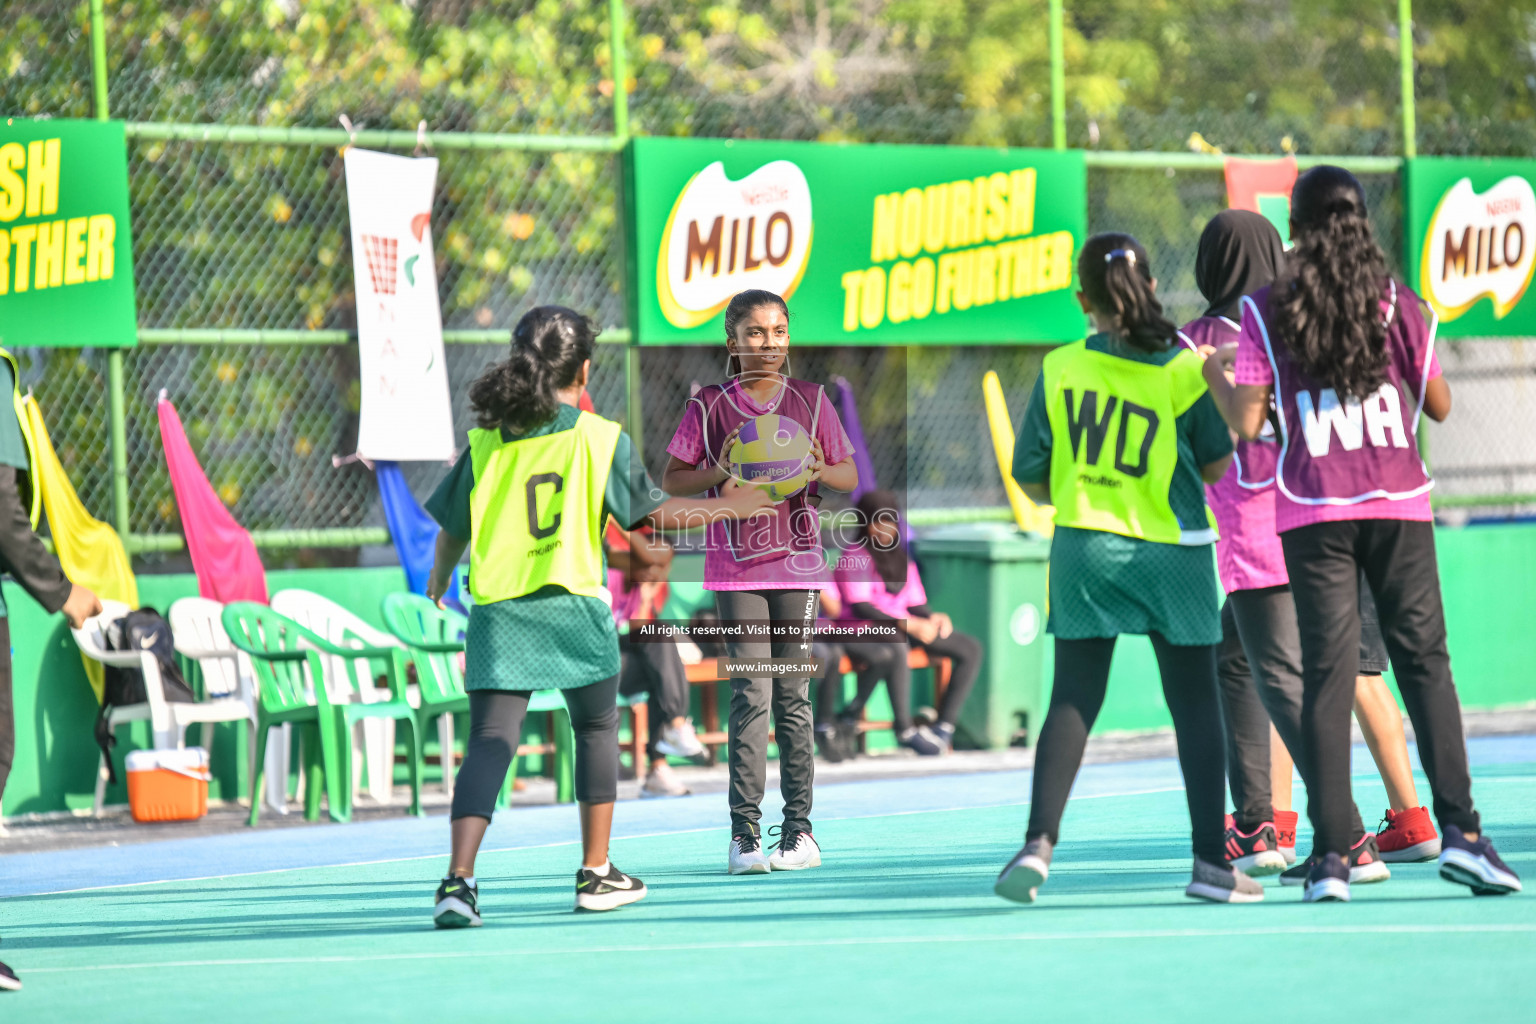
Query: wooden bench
[706,673]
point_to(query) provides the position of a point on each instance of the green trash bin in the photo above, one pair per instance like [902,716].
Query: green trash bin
[990,578]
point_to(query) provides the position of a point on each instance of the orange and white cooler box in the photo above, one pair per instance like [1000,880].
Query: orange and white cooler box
[168,785]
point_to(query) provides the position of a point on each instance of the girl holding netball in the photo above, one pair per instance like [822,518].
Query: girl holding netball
[766,571]
[529,498]
[1259,663]
[1347,357]
[1119,435]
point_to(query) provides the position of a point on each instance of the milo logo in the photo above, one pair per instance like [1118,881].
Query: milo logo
[1480,245]
[725,236]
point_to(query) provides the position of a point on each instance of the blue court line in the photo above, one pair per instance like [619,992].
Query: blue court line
[279,849]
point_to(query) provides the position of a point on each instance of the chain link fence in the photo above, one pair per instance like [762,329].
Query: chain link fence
[241,236]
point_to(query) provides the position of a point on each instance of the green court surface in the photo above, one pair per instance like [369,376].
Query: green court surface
[900,924]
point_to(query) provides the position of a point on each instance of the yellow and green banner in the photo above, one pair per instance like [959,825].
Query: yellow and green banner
[870,244]
[66,254]
[1471,243]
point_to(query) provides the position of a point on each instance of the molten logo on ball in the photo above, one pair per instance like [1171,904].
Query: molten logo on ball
[1480,245]
[774,453]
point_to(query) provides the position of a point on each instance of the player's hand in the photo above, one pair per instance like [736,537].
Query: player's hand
[818,461]
[724,465]
[922,630]
[746,500]
[942,624]
[80,605]
[437,588]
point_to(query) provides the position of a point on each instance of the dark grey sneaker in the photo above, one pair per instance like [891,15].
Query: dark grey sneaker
[1222,884]
[1476,865]
[1327,880]
[1026,872]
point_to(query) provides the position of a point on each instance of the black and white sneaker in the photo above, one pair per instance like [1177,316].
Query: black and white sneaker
[8,980]
[1476,865]
[795,850]
[607,891]
[458,904]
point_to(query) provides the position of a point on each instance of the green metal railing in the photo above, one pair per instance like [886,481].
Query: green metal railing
[609,143]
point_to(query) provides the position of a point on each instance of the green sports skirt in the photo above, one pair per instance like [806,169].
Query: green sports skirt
[1103,584]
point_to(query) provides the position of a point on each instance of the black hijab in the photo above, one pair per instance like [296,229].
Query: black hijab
[1240,252]
[890,563]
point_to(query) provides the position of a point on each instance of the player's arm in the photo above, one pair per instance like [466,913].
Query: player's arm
[840,476]
[1437,399]
[1039,493]
[683,478]
[449,550]
[1244,407]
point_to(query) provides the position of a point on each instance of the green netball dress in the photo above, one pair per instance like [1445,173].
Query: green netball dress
[532,507]
[1120,436]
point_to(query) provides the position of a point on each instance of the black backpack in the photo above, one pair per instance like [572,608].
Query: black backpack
[141,630]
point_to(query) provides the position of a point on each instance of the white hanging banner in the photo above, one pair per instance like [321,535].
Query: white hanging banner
[406,413]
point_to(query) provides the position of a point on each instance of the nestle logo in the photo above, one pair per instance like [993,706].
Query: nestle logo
[1502,206]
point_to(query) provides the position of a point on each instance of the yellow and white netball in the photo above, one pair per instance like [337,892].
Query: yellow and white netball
[774,453]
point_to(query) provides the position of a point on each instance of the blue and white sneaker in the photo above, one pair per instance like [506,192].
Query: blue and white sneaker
[1476,865]
[1328,881]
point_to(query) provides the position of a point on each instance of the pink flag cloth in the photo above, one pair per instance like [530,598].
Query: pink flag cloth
[223,554]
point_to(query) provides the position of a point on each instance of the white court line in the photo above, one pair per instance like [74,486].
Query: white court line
[802,943]
[563,842]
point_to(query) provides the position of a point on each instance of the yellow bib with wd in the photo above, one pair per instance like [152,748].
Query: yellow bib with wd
[536,510]
[1114,444]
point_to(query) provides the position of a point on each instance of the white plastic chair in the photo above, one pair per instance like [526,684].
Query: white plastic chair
[167,721]
[199,635]
[345,629]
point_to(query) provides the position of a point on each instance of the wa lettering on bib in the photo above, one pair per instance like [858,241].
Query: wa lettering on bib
[1115,449]
[1345,451]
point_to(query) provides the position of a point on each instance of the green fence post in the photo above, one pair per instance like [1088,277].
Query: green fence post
[116,408]
[1059,78]
[620,61]
[1405,60]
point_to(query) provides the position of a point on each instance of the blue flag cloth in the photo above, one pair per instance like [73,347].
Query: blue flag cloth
[414,532]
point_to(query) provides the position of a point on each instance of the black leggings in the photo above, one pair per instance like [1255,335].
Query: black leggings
[875,662]
[1189,686]
[496,726]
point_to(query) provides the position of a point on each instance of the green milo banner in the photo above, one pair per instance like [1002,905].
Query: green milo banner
[1472,243]
[66,255]
[878,245]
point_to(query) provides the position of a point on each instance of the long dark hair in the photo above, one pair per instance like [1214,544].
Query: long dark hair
[890,562]
[741,304]
[1116,275]
[1326,303]
[549,346]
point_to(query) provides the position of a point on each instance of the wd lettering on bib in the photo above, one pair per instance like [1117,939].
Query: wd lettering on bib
[1379,419]
[1115,452]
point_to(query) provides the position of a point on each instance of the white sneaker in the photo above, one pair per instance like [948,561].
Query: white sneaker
[746,855]
[795,851]
[660,782]
[680,741]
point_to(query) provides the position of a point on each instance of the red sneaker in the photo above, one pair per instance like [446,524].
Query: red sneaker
[1408,836]
[1285,834]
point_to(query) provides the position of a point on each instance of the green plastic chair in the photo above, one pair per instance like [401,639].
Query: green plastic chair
[434,637]
[290,685]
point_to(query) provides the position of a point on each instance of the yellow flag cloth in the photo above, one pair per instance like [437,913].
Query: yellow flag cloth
[1031,518]
[90,551]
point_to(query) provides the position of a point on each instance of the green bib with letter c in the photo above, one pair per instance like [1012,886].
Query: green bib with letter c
[536,510]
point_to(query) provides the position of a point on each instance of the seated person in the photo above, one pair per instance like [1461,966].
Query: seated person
[637,572]
[838,737]
[877,581]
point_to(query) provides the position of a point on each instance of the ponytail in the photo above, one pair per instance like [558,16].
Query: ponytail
[1115,274]
[1326,302]
[549,346]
